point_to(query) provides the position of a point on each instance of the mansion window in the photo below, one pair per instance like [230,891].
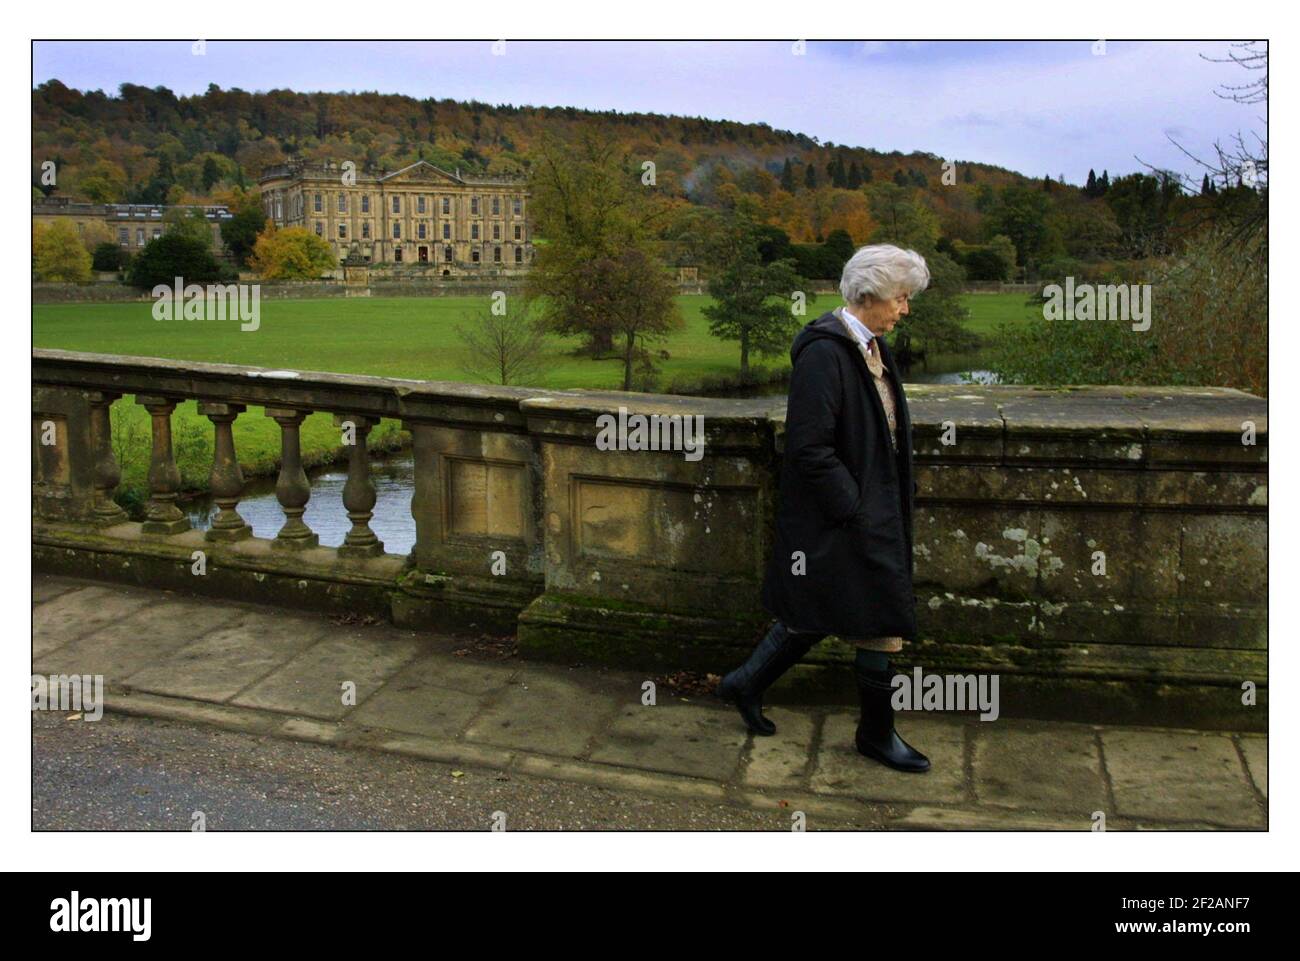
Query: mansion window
[124,236]
[365,230]
[496,206]
[446,205]
[518,206]
[473,232]
[519,232]
[316,203]
[320,230]
[446,254]
[397,205]
[419,205]
[473,206]
[343,231]
[496,255]
[139,236]
[519,255]
[156,233]
[279,208]
[397,254]
[343,203]
[397,231]
[446,231]
[421,230]
[365,203]
[474,256]
[496,231]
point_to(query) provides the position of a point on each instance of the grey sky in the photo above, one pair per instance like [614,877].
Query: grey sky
[1036,107]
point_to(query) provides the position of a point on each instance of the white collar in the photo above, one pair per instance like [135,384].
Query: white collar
[857,327]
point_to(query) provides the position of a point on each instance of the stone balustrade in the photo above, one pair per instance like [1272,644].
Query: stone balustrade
[1102,549]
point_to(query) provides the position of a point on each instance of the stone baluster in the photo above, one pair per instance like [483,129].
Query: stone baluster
[226,481]
[359,491]
[107,473]
[162,516]
[291,488]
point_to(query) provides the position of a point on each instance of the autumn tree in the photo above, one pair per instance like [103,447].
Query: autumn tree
[591,209]
[637,300]
[293,253]
[59,255]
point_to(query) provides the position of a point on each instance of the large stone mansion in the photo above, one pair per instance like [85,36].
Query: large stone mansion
[420,214]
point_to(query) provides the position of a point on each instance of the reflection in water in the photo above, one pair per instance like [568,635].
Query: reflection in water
[394,482]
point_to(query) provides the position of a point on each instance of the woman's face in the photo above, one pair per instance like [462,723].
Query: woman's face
[880,316]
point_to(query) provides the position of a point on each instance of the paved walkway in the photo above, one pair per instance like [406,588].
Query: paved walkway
[282,673]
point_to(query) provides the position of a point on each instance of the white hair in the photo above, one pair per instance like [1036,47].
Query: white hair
[881,271]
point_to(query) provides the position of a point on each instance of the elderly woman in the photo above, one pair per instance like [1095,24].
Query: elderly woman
[842,559]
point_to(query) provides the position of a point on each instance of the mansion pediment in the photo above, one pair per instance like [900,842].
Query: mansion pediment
[421,172]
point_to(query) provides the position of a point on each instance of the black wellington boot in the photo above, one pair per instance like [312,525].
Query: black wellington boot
[876,737]
[776,653]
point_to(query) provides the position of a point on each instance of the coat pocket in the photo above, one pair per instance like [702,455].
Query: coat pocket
[879,542]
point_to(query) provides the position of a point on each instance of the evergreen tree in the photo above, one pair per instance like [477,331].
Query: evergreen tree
[1090,188]
[787,176]
[855,176]
[810,177]
[751,296]
[211,173]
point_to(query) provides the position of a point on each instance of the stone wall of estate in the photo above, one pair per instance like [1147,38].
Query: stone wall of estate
[1102,549]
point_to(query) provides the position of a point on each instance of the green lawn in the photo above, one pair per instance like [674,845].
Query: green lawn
[990,311]
[395,337]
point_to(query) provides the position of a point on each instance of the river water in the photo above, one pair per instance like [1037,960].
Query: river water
[394,479]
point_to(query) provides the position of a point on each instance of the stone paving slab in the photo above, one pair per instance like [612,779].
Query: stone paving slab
[676,738]
[77,613]
[222,663]
[47,588]
[1179,776]
[840,769]
[311,684]
[547,715]
[139,640]
[1052,768]
[1255,748]
[278,673]
[781,761]
[435,696]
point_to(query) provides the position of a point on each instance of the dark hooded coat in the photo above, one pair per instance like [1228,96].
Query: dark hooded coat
[846,496]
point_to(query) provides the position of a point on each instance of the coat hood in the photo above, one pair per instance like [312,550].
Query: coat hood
[827,325]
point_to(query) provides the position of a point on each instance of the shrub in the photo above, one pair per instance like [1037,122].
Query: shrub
[174,254]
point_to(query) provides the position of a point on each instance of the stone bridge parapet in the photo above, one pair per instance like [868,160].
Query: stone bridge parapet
[1102,549]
